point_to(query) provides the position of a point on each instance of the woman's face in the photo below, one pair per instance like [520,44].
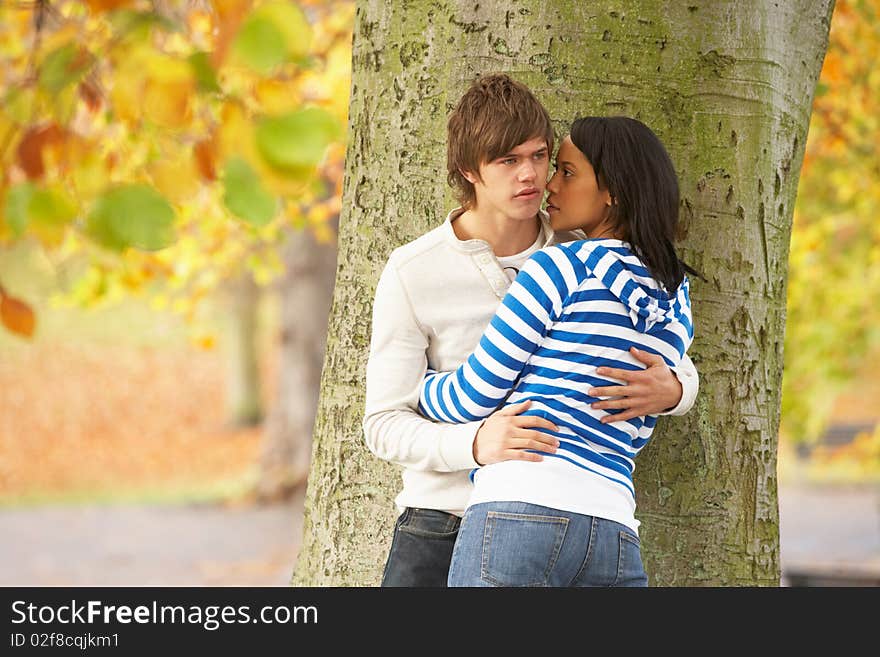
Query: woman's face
[575,199]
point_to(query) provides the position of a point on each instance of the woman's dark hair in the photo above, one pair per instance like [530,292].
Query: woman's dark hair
[632,164]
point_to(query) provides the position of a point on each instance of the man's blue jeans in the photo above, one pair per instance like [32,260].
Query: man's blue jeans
[519,544]
[421,548]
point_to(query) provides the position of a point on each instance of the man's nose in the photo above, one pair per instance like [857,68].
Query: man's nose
[527,171]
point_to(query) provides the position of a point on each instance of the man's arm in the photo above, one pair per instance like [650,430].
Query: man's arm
[395,369]
[657,390]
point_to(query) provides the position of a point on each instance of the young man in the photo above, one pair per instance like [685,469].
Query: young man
[435,297]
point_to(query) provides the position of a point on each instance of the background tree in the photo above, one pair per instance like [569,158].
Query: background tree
[728,86]
[306,291]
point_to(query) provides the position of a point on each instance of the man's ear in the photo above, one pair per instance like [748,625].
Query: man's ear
[470,177]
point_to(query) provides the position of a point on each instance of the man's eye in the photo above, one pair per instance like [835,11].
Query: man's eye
[509,160]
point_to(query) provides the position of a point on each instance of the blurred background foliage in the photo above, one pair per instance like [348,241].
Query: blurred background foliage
[159,147]
[832,339]
[154,153]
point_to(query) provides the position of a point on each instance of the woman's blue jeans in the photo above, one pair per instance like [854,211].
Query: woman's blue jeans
[520,544]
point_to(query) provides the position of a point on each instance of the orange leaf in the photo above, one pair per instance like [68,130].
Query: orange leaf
[17,316]
[106,5]
[205,154]
[230,14]
[30,150]
[90,94]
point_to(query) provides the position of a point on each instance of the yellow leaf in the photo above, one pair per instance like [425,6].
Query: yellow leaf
[168,91]
[277,96]
[236,134]
[175,176]
[89,177]
[126,97]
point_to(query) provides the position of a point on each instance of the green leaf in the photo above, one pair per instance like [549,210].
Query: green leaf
[139,24]
[132,216]
[51,208]
[274,33]
[245,196]
[260,44]
[206,78]
[18,104]
[17,201]
[293,25]
[63,66]
[298,139]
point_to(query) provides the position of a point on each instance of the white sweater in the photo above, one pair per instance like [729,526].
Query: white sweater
[433,300]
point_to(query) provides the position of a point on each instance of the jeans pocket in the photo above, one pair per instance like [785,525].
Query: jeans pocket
[428,523]
[630,570]
[521,549]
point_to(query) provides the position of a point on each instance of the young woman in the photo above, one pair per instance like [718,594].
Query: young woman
[568,519]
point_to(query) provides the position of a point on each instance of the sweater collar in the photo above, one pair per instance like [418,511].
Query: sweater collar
[479,246]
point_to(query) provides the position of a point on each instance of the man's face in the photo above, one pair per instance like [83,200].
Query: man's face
[513,185]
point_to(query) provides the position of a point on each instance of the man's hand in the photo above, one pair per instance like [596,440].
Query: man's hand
[505,436]
[645,392]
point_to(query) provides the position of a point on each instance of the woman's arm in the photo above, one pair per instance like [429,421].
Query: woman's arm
[525,315]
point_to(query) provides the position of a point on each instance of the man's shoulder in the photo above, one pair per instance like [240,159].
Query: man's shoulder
[424,251]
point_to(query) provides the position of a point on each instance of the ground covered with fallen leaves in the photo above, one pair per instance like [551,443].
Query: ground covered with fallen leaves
[102,422]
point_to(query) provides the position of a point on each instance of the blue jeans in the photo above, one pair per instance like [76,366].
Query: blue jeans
[519,544]
[421,548]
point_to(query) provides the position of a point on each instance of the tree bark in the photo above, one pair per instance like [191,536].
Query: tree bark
[728,87]
[306,291]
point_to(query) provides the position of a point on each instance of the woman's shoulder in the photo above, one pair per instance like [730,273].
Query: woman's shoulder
[590,251]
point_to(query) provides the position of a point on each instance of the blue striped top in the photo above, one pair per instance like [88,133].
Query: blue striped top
[573,308]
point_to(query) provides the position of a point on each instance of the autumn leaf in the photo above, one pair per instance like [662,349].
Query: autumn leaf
[273,33]
[132,216]
[298,139]
[17,316]
[107,5]
[15,209]
[204,152]
[64,66]
[245,196]
[49,212]
[259,44]
[176,177]
[33,144]
[168,91]
[205,76]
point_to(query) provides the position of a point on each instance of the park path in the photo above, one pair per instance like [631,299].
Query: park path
[191,545]
[830,530]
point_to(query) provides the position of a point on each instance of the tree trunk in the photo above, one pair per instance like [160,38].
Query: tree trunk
[244,406]
[306,292]
[728,87]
